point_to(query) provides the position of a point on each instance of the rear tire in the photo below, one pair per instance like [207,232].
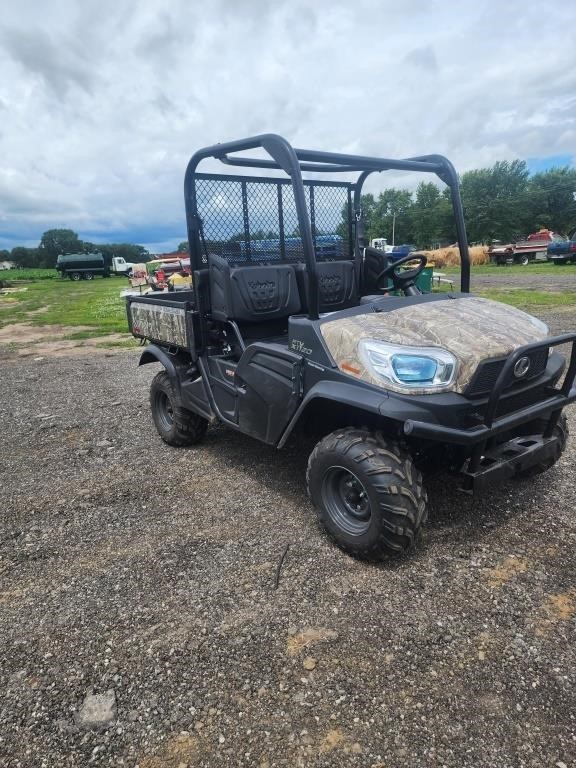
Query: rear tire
[368,493]
[88,276]
[176,425]
[538,427]
[76,276]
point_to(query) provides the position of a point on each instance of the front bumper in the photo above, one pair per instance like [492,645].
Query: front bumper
[508,459]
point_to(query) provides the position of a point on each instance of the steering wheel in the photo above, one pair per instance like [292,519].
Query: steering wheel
[403,279]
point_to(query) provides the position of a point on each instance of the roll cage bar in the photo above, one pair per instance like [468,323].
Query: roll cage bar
[293,162]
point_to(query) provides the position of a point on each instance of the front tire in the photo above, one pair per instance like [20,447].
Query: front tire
[176,425]
[368,493]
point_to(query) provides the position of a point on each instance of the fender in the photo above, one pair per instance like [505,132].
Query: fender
[155,354]
[189,387]
[387,405]
[343,393]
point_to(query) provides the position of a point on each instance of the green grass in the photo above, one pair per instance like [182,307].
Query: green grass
[96,303]
[526,297]
[28,274]
[538,268]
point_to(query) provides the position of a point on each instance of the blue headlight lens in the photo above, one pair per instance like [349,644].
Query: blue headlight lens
[414,369]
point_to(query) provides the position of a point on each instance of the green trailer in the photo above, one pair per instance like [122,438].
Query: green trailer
[82,266]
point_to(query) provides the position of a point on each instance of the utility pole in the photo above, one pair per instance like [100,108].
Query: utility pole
[393,226]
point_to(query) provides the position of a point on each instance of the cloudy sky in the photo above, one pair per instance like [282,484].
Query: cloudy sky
[102,103]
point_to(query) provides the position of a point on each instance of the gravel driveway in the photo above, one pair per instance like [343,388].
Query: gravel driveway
[147,575]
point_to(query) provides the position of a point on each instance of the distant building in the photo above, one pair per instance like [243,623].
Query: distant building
[7,265]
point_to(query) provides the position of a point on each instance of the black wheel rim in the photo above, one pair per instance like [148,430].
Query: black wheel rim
[164,411]
[346,501]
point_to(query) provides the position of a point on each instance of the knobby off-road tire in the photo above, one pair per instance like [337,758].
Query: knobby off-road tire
[176,425]
[538,427]
[368,493]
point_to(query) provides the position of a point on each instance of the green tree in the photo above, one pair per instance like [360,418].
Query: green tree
[552,201]
[392,216]
[29,258]
[495,201]
[183,247]
[430,213]
[56,241]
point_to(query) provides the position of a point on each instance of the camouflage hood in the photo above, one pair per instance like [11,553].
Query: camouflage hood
[472,329]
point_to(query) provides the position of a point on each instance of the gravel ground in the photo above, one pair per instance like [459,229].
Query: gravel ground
[146,575]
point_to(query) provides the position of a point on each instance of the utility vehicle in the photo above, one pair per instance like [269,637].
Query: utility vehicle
[285,336]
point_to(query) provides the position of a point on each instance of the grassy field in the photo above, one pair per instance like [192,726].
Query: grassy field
[28,274]
[96,303]
[527,297]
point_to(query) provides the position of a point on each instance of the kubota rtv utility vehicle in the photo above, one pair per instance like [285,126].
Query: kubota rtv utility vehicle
[291,325]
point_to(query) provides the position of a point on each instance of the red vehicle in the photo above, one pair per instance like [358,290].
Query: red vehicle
[534,248]
[159,270]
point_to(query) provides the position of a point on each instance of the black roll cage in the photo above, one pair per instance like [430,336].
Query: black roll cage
[293,162]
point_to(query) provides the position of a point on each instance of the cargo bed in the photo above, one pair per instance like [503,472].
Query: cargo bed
[164,318]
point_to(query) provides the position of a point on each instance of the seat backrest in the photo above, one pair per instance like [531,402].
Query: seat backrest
[374,263]
[337,285]
[252,294]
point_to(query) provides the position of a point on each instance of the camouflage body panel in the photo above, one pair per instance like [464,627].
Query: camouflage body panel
[472,329]
[167,324]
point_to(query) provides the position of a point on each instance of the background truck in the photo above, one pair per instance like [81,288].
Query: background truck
[534,248]
[119,266]
[563,251]
[381,243]
[82,266]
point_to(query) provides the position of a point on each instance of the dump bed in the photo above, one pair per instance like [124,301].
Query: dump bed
[164,318]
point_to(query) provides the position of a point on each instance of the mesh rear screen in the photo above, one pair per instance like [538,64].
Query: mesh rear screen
[254,221]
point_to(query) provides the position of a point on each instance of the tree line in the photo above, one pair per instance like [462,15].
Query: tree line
[63,241]
[503,202]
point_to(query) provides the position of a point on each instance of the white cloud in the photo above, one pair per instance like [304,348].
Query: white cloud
[102,103]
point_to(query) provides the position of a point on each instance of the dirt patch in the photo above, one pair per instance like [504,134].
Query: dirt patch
[5,291]
[29,340]
[559,607]
[307,637]
[25,333]
[39,311]
[73,347]
[502,573]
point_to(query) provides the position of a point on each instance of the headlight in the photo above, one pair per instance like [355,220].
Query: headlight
[540,325]
[409,366]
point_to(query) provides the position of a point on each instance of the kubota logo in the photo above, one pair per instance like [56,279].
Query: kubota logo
[522,367]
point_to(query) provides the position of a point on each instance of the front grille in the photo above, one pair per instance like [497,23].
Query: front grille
[487,373]
[515,402]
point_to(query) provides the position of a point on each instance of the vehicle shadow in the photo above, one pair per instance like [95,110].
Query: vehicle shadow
[454,518]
